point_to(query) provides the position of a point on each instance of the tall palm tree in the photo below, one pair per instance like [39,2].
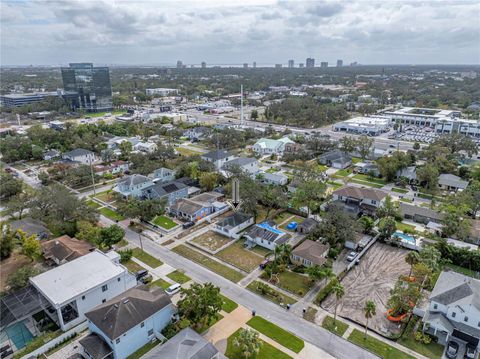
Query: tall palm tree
[338,290]
[314,272]
[326,273]
[369,310]
[412,258]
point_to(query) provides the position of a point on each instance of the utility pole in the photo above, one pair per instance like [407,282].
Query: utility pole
[93,177]
[241,105]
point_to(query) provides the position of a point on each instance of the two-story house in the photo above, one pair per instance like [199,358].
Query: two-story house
[171,191]
[162,174]
[359,200]
[453,309]
[247,165]
[80,155]
[132,185]
[127,322]
[74,288]
[218,158]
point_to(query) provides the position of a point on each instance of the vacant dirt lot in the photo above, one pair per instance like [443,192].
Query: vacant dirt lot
[211,240]
[372,279]
[10,265]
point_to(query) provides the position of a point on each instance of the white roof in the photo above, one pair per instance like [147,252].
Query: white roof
[71,279]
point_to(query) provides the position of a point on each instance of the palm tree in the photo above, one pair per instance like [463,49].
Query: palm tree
[369,310]
[339,291]
[412,258]
[326,273]
[249,342]
[315,272]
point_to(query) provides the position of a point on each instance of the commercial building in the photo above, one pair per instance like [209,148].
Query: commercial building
[179,64]
[204,65]
[324,64]
[364,125]
[310,62]
[161,92]
[339,63]
[87,87]
[291,64]
[17,100]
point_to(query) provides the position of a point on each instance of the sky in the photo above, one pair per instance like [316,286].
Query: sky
[233,32]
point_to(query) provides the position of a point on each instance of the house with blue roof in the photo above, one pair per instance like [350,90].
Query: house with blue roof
[267,235]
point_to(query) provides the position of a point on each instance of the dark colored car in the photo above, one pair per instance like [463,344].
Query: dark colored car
[264,263]
[188,225]
[470,351]
[452,350]
[141,273]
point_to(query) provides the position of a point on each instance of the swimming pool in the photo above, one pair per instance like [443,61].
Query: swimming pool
[18,334]
[405,237]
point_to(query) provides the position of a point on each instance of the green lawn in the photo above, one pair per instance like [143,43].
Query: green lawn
[367,178]
[273,295]
[355,160]
[295,218]
[399,190]
[146,258]
[267,351]
[122,243]
[281,336]
[293,282]
[404,226]
[261,251]
[101,114]
[160,283]
[272,170]
[144,350]
[213,321]
[110,213]
[211,264]
[343,173]
[179,277]
[335,185]
[368,184]
[376,346]
[406,200]
[93,204]
[132,266]
[228,304]
[164,222]
[320,168]
[310,314]
[338,328]
[432,350]
[462,270]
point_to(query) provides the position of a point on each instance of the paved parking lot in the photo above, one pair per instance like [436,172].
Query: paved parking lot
[372,279]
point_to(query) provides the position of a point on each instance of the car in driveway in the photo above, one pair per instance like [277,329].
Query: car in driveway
[351,256]
[452,350]
[470,351]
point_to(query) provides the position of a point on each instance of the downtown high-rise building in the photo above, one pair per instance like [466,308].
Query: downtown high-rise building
[301,65]
[339,63]
[179,64]
[310,62]
[245,65]
[254,64]
[324,64]
[87,87]
[291,64]
[204,65]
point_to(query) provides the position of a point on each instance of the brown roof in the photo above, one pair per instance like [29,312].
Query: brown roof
[312,251]
[361,193]
[65,248]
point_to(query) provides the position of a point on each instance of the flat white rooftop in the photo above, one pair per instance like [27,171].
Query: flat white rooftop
[68,281]
[366,121]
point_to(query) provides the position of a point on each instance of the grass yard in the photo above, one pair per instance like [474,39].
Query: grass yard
[356,160]
[272,295]
[164,222]
[146,258]
[187,151]
[213,321]
[335,185]
[432,350]
[404,227]
[272,170]
[462,270]
[261,251]
[344,172]
[367,178]
[162,283]
[376,346]
[368,184]
[281,336]
[320,168]
[279,218]
[310,314]
[406,200]
[293,282]
[295,218]
[228,304]
[236,255]
[144,350]
[132,266]
[110,213]
[179,277]
[267,351]
[101,114]
[122,243]
[106,196]
[399,190]
[211,240]
[209,263]
[338,328]
[92,204]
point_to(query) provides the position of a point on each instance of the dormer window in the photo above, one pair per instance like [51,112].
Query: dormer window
[435,306]
[465,319]
[454,314]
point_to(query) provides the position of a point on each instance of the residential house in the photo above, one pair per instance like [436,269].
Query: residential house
[309,253]
[409,173]
[247,165]
[420,214]
[74,288]
[307,226]
[449,182]
[367,168]
[127,322]
[31,226]
[293,185]
[278,179]
[218,157]
[186,344]
[65,249]
[147,147]
[133,185]
[51,155]
[267,146]
[117,167]
[171,191]
[453,310]
[266,234]
[196,133]
[198,207]
[357,241]
[80,155]
[336,159]
[292,148]
[230,226]
[162,175]
[115,142]
[359,200]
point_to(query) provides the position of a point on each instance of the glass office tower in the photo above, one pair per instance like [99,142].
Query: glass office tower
[87,87]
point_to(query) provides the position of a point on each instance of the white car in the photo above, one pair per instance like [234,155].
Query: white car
[174,288]
[351,256]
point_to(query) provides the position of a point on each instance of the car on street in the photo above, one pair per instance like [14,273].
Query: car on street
[452,350]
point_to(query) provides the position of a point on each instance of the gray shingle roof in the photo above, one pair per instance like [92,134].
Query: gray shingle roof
[312,251]
[452,287]
[233,220]
[412,210]
[447,179]
[217,155]
[78,152]
[95,346]
[161,189]
[240,161]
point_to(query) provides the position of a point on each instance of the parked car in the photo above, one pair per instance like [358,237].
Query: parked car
[146,279]
[264,263]
[188,225]
[141,273]
[452,350]
[470,351]
[351,256]
[174,288]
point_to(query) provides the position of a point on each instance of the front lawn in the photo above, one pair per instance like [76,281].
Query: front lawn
[179,277]
[405,227]
[376,346]
[368,184]
[209,263]
[160,283]
[236,255]
[132,266]
[399,190]
[269,293]
[281,336]
[213,321]
[164,222]
[335,185]
[228,304]
[267,351]
[338,327]
[110,213]
[356,160]
[92,204]
[310,314]
[367,178]
[146,258]
[292,282]
[343,173]
[432,350]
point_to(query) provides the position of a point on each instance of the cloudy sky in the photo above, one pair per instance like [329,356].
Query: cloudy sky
[233,32]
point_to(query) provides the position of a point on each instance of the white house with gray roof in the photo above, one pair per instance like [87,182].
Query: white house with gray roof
[267,146]
[80,155]
[133,185]
[218,157]
[246,164]
[277,179]
[230,226]
[454,309]
[449,182]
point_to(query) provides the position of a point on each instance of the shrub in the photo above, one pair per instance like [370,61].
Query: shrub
[324,292]
[169,331]
[125,255]
[333,253]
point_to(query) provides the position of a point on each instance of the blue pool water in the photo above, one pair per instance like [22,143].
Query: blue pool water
[19,334]
[266,226]
[405,237]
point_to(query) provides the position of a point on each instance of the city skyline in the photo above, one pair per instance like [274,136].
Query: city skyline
[152,32]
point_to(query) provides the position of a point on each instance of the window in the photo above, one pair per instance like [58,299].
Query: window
[104,300]
[104,288]
[465,319]
[117,340]
[142,325]
[83,297]
[150,332]
[118,279]
[435,306]
[454,314]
